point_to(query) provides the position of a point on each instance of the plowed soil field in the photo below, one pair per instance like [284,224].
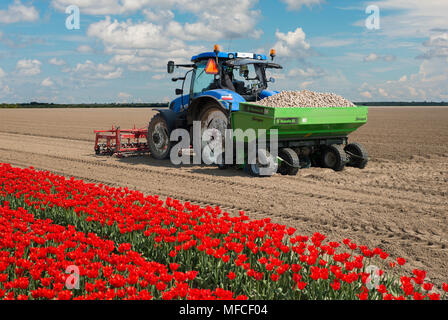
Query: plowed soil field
[399,202]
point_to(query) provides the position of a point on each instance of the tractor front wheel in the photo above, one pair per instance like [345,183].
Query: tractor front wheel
[214,122]
[159,138]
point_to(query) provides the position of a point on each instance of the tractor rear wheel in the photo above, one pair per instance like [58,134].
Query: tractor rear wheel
[159,138]
[215,121]
[357,155]
[334,157]
[290,165]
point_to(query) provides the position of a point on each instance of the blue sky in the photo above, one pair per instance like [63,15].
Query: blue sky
[119,54]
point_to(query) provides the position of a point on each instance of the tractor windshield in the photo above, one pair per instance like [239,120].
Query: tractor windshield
[202,80]
[245,78]
[248,76]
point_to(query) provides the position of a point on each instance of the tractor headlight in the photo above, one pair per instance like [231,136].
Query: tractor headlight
[231,56]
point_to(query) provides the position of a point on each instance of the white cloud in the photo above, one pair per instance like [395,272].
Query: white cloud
[292,44]
[307,73]
[126,59]
[147,45]
[233,19]
[159,76]
[382,92]
[429,83]
[124,95]
[389,58]
[413,92]
[437,45]
[4,90]
[306,84]
[158,15]
[90,70]
[47,82]
[298,4]
[140,68]
[84,49]
[366,94]
[324,42]
[214,20]
[211,18]
[127,35]
[375,57]
[2,73]
[102,7]
[412,18]
[28,67]
[57,62]
[17,12]
[143,46]
[437,40]
[371,57]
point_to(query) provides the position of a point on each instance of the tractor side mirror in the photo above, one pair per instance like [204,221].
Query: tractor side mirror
[179,92]
[170,67]
[272,80]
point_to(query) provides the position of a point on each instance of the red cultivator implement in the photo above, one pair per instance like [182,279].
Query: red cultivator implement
[120,141]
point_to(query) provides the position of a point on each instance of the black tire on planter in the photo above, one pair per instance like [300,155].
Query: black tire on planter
[255,169]
[304,157]
[357,155]
[159,138]
[334,157]
[291,157]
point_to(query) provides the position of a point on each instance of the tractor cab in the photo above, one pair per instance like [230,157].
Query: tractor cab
[233,72]
[243,73]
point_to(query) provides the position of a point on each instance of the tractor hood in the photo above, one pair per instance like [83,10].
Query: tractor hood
[225,97]
[222,95]
[228,96]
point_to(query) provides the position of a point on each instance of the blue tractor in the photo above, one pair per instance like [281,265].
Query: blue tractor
[213,87]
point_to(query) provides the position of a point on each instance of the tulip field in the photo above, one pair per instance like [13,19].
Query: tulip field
[66,239]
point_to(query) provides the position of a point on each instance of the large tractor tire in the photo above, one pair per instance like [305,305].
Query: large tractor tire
[290,165]
[159,138]
[357,155]
[213,118]
[334,157]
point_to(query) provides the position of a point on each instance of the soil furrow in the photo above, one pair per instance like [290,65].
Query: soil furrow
[399,202]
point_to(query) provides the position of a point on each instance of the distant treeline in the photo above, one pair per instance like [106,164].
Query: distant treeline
[37,105]
[165,105]
[398,104]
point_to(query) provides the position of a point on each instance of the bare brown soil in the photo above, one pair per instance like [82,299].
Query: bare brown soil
[399,202]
